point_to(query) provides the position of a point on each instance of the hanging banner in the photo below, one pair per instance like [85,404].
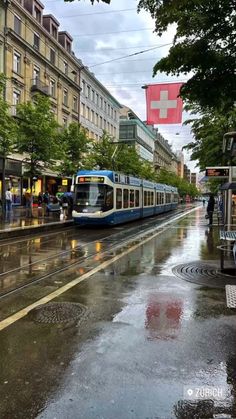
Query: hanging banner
[163,104]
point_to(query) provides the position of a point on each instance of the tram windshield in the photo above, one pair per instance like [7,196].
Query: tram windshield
[93,197]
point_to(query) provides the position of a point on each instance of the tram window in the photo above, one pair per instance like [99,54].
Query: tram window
[162,198]
[152,198]
[126,198]
[118,198]
[131,198]
[109,198]
[145,199]
[137,198]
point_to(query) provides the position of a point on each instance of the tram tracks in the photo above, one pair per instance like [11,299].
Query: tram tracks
[27,275]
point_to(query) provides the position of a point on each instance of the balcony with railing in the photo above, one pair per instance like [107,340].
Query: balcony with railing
[38,86]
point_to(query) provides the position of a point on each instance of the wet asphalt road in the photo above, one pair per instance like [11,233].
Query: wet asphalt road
[144,339]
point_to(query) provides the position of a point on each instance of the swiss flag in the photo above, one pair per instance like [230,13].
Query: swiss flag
[163,104]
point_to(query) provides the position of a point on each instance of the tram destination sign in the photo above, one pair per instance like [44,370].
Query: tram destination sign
[91,179]
[217,171]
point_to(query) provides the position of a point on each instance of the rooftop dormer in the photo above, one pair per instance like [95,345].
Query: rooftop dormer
[51,24]
[65,39]
[35,8]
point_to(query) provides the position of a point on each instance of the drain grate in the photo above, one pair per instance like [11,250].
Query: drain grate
[204,273]
[57,312]
[230,296]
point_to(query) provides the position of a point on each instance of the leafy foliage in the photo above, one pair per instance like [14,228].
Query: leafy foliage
[7,125]
[184,187]
[37,135]
[74,143]
[208,132]
[7,135]
[204,44]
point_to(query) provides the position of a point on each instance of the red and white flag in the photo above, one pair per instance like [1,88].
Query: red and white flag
[163,104]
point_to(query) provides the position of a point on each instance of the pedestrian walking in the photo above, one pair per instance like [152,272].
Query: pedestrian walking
[203,202]
[8,197]
[28,203]
[46,201]
[210,209]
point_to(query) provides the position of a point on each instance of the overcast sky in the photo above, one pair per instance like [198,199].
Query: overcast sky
[105,32]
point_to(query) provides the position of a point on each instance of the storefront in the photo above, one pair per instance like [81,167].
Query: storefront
[13,179]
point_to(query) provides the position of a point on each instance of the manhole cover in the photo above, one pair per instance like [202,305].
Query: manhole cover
[204,273]
[57,312]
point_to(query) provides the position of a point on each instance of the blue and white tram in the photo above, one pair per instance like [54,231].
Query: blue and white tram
[109,198]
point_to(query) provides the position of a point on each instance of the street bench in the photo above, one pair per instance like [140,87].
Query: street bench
[229,237]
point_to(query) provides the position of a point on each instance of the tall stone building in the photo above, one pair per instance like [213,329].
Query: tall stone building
[36,56]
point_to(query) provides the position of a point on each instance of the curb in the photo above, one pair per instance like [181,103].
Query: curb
[29,230]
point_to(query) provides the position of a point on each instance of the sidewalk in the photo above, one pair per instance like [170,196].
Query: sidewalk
[18,224]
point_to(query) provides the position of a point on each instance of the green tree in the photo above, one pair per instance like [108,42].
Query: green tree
[127,160]
[208,131]
[184,187]
[75,144]
[204,44]
[37,135]
[101,154]
[7,136]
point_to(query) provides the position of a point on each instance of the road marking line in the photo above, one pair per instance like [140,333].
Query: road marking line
[22,313]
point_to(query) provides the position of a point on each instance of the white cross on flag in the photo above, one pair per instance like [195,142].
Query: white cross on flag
[163,104]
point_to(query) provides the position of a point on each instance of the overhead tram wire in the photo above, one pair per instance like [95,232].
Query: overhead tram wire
[105,62]
[130,55]
[95,14]
[111,33]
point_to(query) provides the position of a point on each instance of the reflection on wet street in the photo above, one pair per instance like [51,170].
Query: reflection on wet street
[147,344]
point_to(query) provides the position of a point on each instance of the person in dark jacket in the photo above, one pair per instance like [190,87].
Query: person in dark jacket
[210,209]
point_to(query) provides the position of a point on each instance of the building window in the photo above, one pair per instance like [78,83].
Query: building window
[92,116]
[97,99]
[68,46]
[65,97]
[17,24]
[36,74]
[115,114]
[66,67]
[88,92]
[36,41]
[101,102]
[96,119]
[65,122]
[111,112]
[83,109]
[52,56]
[108,110]
[83,87]
[105,106]
[17,62]
[87,112]
[75,103]
[54,31]
[37,14]
[52,88]
[104,124]
[100,125]
[15,100]
[93,96]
